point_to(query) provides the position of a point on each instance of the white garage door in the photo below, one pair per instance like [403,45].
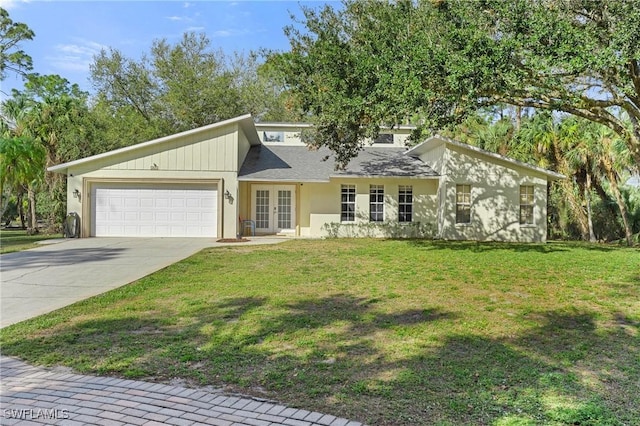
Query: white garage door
[146,211]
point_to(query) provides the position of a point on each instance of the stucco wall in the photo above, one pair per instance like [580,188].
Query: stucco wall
[320,203]
[495,199]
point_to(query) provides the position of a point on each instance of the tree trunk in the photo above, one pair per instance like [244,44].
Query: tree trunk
[613,183]
[20,205]
[33,221]
[576,210]
[587,197]
[605,197]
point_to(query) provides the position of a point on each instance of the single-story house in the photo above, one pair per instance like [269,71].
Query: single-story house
[238,176]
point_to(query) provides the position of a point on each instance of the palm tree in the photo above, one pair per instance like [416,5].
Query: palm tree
[22,160]
[611,155]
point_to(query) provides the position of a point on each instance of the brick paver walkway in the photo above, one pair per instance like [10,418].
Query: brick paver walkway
[32,396]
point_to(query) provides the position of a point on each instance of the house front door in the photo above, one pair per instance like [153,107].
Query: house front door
[274,208]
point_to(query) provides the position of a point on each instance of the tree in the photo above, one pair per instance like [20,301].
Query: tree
[11,57]
[589,154]
[22,162]
[180,86]
[374,63]
[50,112]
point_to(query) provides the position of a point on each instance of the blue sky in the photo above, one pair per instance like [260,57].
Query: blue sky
[69,33]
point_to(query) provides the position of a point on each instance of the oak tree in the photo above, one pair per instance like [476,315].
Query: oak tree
[370,63]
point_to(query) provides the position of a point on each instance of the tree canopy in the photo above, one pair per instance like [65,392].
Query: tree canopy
[181,86]
[372,63]
[12,58]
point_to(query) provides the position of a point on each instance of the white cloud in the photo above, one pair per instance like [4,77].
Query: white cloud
[176,18]
[76,57]
[187,4]
[230,33]
[12,4]
[195,29]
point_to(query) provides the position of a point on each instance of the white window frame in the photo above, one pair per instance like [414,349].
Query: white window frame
[463,203]
[376,203]
[527,204]
[347,199]
[405,202]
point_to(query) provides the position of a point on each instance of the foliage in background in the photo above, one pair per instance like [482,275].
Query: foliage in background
[53,113]
[22,165]
[593,203]
[372,63]
[180,87]
[12,58]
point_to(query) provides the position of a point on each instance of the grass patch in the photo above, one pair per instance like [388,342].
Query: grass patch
[18,240]
[385,332]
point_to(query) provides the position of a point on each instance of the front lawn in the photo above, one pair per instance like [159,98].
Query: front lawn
[17,239]
[384,332]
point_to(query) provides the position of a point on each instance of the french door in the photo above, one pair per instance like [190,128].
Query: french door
[274,208]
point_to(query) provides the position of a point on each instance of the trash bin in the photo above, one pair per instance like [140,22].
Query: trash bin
[72,225]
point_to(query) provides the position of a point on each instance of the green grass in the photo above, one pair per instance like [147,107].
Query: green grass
[384,332]
[18,240]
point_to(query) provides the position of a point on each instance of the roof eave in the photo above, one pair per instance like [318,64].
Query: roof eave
[438,139]
[274,179]
[243,121]
[356,176]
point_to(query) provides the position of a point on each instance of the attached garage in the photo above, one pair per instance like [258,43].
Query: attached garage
[154,210]
[181,185]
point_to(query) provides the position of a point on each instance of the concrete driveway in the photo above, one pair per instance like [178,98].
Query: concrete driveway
[47,278]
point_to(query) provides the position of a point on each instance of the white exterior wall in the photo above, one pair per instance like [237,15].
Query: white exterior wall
[291,134]
[211,157]
[320,203]
[495,199]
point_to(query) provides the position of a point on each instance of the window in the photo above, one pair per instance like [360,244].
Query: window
[385,138]
[526,205]
[405,203]
[463,203]
[273,136]
[376,203]
[348,203]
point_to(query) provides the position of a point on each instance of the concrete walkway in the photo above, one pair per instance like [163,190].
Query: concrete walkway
[34,396]
[41,280]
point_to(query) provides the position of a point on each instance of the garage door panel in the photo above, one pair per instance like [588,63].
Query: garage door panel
[131,202]
[208,203]
[195,216]
[146,216]
[192,202]
[173,211]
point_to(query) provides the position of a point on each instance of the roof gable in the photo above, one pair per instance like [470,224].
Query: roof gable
[437,140]
[245,122]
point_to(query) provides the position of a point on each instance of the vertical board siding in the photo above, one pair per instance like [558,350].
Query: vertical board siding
[214,151]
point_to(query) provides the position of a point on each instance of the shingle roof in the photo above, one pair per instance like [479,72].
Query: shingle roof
[298,163]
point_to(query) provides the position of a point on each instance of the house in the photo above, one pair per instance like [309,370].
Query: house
[230,177]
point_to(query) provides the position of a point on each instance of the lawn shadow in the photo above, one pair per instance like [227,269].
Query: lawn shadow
[323,351]
[484,246]
[564,371]
[359,313]
[41,259]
